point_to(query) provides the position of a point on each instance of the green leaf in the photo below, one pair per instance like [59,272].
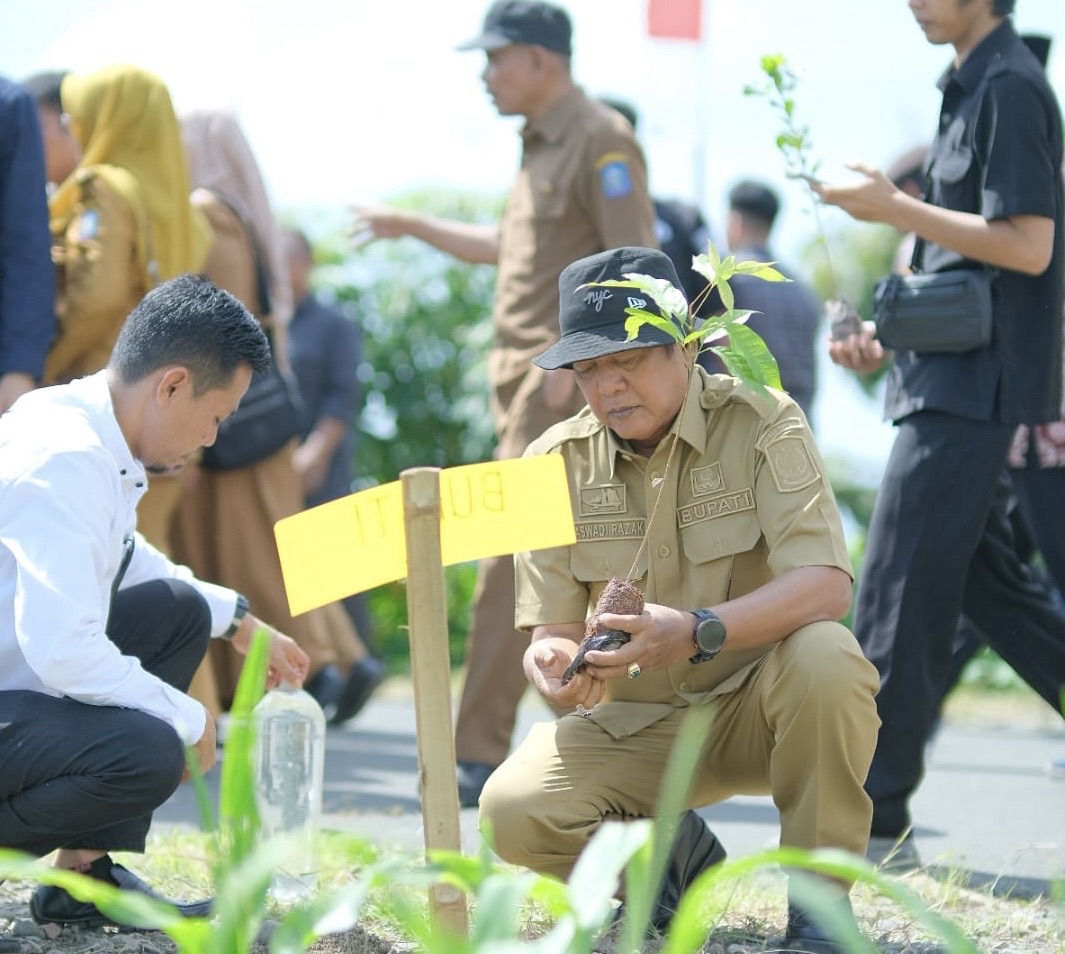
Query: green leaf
[638,318]
[595,876]
[762,270]
[728,297]
[124,907]
[747,357]
[332,913]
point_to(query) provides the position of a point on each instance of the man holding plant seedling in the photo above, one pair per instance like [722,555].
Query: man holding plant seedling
[940,541]
[582,188]
[100,634]
[709,498]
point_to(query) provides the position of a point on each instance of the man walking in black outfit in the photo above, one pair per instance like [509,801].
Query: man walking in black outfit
[939,541]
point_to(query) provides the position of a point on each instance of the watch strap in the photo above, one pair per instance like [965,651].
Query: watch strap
[239,612]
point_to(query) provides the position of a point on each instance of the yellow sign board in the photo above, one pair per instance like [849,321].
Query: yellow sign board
[358,542]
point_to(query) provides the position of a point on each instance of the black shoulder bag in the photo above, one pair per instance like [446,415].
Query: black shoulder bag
[269,415]
[946,312]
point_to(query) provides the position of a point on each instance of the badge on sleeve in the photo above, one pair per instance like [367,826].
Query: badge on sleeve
[614,177]
[88,225]
[791,465]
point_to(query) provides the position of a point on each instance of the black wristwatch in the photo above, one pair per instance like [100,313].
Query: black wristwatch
[709,635]
[239,612]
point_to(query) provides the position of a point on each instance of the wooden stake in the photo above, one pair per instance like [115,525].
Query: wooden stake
[431,669]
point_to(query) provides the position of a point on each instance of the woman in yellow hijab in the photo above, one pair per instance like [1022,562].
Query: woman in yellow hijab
[122,221]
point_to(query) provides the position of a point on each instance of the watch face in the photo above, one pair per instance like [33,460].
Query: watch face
[710,635]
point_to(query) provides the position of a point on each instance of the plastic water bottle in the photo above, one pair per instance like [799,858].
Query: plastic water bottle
[289,766]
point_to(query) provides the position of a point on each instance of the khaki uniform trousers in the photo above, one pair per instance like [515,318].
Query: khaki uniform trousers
[495,680]
[801,728]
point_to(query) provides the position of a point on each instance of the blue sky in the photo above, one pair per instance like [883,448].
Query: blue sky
[354,101]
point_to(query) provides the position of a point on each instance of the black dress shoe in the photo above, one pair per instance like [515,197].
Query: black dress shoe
[325,686]
[365,676]
[695,848]
[471,778]
[52,905]
[806,935]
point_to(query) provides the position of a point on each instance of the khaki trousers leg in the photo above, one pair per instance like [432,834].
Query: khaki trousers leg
[495,680]
[801,728]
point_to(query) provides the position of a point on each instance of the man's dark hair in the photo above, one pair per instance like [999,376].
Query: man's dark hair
[1002,8]
[755,200]
[46,87]
[190,321]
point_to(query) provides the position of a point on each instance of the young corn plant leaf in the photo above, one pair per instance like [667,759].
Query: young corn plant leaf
[124,907]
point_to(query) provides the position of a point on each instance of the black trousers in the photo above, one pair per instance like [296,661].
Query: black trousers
[940,543]
[74,775]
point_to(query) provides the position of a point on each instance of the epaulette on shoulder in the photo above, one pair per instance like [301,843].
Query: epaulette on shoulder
[582,425]
[723,389]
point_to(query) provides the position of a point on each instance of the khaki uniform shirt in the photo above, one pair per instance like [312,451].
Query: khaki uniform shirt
[581,189]
[744,500]
[100,280]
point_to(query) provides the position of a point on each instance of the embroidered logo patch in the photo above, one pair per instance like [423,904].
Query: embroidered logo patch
[609,498]
[615,180]
[791,465]
[707,480]
[89,226]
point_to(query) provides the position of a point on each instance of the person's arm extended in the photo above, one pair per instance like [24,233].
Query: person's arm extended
[1022,243]
[473,242]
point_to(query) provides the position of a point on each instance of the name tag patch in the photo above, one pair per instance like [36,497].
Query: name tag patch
[713,507]
[611,530]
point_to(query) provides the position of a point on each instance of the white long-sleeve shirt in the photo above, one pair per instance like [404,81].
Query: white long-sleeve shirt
[69,487]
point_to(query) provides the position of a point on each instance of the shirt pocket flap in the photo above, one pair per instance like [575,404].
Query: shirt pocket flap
[722,536]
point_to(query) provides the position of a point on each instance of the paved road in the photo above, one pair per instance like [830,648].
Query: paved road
[986,808]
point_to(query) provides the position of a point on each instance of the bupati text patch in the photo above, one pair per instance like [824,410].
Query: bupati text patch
[713,507]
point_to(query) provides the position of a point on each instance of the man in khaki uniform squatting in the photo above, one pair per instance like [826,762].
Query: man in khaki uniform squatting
[582,188]
[744,571]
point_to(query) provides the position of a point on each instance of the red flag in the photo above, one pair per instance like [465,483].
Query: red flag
[675,19]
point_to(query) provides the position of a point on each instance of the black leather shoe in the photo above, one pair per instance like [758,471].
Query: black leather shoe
[804,934]
[52,905]
[325,686]
[471,778]
[365,676]
[695,848]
